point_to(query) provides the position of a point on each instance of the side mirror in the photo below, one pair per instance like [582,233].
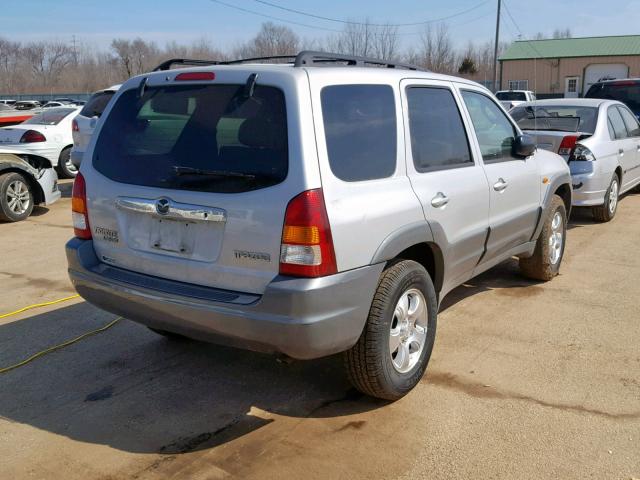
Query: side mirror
[523,146]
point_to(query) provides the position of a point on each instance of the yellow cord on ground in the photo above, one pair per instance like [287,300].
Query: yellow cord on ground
[37,305]
[58,347]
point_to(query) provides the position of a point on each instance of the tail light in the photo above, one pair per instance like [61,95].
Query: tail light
[74,126]
[31,136]
[79,212]
[567,144]
[581,153]
[307,246]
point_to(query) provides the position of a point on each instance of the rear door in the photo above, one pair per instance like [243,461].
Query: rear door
[189,180]
[513,182]
[625,146]
[451,185]
[633,140]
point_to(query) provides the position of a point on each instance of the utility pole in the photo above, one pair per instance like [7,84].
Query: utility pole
[75,51]
[495,50]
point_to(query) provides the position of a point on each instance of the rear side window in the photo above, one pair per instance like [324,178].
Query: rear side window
[210,138]
[630,121]
[619,128]
[96,104]
[360,131]
[438,138]
[625,91]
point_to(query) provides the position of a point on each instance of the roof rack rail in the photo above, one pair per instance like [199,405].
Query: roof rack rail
[166,65]
[306,58]
[310,58]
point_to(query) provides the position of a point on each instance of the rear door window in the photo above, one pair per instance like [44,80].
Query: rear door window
[210,138]
[360,130]
[619,128]
[630,121]
[438,137]
[96,104]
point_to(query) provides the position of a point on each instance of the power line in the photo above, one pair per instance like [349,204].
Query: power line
[349,22]
[316,27]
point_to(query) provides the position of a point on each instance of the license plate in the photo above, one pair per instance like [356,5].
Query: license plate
[172,236]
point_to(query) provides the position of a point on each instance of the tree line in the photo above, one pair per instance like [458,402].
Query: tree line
[55,67]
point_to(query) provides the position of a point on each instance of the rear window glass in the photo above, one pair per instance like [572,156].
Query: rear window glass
[96,104]
[52,116]
[509,96]
[210,138]
[563,118]
[360,131]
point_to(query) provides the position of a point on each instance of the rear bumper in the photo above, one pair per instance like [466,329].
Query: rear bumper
[301,318]
[589,189]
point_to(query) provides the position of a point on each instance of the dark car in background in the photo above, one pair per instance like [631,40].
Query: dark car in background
[626,91]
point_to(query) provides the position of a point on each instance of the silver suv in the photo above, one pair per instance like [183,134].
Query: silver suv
[308,209]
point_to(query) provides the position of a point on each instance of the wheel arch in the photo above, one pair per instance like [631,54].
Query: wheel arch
[414,242]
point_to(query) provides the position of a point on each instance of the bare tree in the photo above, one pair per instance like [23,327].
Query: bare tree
[271,40]
[47,60]
[437,52]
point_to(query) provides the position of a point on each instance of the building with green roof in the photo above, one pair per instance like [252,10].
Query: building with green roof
[568,66]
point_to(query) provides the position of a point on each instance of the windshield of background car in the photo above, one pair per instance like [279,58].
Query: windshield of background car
[509,96]
[96,104]
[556,117]
[52,116]
[209,138]
[626,92]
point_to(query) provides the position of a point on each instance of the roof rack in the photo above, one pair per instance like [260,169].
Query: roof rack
[166,65]
[310,58]
[306,58]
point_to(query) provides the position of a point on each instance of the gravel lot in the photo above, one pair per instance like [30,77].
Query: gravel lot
[527,381]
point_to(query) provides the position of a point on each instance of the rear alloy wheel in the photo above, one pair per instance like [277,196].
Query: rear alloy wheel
[545,262]
[66,168]
[606,212]
[395,346]
[16,198]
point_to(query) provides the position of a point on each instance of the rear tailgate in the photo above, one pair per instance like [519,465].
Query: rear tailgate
[191,180]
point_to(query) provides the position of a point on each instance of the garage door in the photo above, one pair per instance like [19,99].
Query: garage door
[595,72]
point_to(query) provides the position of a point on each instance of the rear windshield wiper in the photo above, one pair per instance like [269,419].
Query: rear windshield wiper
[210,173]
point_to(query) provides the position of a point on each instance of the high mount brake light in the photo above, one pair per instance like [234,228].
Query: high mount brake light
[307,246]
[193,76]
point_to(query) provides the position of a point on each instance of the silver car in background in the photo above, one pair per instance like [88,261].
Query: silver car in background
[599,138]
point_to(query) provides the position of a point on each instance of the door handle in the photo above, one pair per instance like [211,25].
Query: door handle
[638,147]
[440,200]
[621,152]
[500,185]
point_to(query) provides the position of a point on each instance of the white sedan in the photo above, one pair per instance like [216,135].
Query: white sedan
[47,134]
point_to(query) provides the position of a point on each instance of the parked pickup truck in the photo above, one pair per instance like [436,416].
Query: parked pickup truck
[512,98]
[309,209]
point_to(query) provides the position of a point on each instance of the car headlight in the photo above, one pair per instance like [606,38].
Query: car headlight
[582,154]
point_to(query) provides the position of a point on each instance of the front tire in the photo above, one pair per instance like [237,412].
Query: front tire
[545,262]
[394,348]
[66,169]
[16,197]
[606,212]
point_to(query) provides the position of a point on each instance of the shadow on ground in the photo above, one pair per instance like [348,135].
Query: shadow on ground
[136,391]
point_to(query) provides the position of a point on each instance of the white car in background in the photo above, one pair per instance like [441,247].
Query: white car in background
[26,180]
[513,98]
[47,134]
[599,138]
[85,122]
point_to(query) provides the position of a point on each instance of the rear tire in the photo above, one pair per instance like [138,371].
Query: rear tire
[394,348]
[65,168]
[606,212]
[16,197]
[545,262]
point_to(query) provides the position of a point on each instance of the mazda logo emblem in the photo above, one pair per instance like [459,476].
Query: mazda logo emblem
[162,206]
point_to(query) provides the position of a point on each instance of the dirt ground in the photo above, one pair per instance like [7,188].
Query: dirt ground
[526,381]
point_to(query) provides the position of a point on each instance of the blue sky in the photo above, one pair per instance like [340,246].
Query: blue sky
[97,22]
